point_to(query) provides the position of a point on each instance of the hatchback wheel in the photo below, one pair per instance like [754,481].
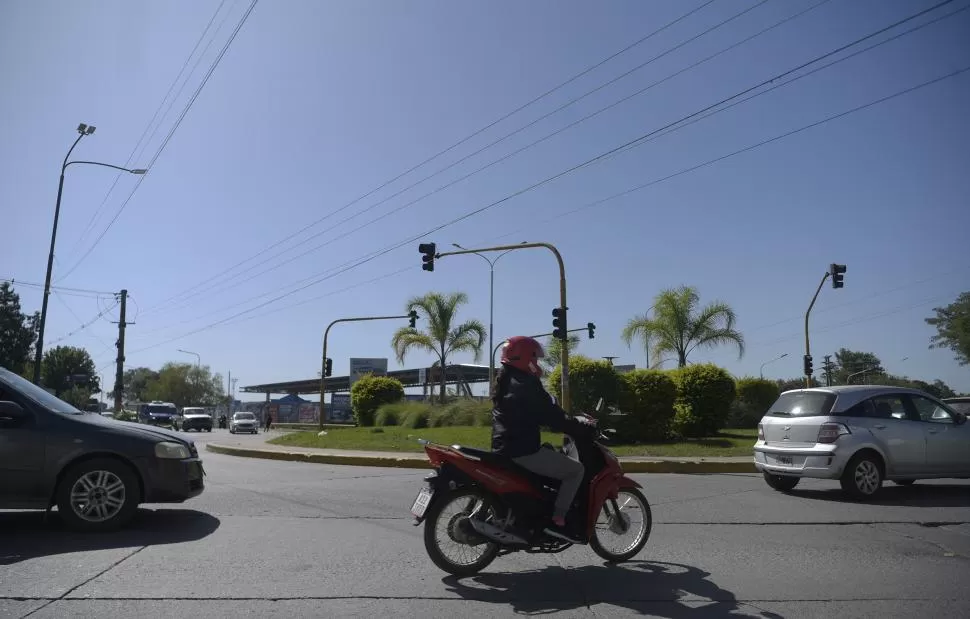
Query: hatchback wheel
[98,495]
[782,483]
[862,478]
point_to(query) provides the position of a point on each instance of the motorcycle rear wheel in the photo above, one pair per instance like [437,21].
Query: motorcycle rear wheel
[643,532]
[489,550]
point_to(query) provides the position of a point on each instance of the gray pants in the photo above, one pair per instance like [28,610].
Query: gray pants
[549,463]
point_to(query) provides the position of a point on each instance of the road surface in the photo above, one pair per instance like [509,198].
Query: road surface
[287,539]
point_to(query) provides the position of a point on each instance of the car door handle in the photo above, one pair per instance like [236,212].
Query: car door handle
[879,427]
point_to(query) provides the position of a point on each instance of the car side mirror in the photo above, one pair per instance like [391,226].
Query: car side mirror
[959,418]
[11,414]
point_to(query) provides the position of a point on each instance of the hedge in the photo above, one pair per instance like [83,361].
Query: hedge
[463,412]
[647,398]
[705,395]
[588,382]
[369,392]
[754,397]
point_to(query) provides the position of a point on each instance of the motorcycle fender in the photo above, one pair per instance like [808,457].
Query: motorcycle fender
[626,482]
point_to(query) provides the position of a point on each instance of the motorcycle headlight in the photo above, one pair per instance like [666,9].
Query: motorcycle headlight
[171,451]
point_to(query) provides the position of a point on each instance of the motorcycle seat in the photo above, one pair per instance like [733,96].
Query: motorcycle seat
[495,459]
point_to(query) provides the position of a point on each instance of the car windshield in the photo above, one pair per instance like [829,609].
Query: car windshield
[244,416]
[35,393]
[802,404]
[194,411]
[159,409]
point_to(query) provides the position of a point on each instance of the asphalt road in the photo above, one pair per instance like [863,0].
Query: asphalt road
[287,539]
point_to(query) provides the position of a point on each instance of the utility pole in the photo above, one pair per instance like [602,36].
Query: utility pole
[827,367]
[120,369]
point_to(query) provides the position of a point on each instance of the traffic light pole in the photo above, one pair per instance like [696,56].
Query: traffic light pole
[535,337]
[562,297]
[323,365]
[808,348]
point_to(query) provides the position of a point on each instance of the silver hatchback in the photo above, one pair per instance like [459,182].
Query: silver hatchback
[861,435]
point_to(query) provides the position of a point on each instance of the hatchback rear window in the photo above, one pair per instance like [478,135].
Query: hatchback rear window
[802,404]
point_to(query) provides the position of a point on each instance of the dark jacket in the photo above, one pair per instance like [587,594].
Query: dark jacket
[521,407]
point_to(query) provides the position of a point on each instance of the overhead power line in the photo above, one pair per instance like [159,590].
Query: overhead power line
[61,289]
[412,239]
[168,137]
[518,109]
[82,327]
[233,281]
[665,130]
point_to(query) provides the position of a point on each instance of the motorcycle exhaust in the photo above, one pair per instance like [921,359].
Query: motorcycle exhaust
[494,533]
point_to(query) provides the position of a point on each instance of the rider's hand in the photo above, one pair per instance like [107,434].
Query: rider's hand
[586,420]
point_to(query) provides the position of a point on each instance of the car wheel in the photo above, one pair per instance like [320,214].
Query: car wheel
[782,483]
[863,475]
[904,482]
[98,495]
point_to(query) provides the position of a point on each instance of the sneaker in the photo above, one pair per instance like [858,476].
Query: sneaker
[560,530]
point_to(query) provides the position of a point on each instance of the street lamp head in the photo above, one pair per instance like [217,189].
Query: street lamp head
[457,245]
[138,171]
[783,356]
[85,129]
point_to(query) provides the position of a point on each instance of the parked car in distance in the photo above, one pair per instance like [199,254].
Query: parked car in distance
[243,422]
[960,404]
[157,413]
[95,470]
[195,418]
[861,435]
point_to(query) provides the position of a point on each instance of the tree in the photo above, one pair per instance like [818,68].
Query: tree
[442,337]
[953,328]
[18,331]
[185,384]
[679,326]
[71,373]
[554,348]
[137,382]
[855,365]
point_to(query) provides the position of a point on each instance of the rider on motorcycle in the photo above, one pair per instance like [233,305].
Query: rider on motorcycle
[521,407]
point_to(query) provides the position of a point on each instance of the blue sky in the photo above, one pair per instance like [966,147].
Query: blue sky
[318,103]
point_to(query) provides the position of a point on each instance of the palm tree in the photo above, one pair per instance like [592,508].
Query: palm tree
[442,337]
[554,349]
[679,326]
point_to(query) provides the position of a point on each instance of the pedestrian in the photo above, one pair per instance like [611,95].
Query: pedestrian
[269,421]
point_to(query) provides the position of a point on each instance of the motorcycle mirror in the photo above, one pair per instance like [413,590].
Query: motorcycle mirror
[599,405]
[610,430]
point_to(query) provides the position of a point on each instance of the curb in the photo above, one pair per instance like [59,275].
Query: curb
[650,466]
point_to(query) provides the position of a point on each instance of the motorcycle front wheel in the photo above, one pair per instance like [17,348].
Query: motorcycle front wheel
[627,521]
[449,539]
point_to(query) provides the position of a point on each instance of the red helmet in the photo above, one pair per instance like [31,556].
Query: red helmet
[523,353]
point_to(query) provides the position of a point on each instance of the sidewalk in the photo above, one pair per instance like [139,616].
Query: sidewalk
[415,460]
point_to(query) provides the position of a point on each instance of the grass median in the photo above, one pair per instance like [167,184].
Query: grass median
[729,443]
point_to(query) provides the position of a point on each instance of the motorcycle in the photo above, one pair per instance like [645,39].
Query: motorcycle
[486,506]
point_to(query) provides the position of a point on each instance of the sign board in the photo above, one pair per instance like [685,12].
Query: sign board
[422,376]
[359,367]
[339,409]
[623,369]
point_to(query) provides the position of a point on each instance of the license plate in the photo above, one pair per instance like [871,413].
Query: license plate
[785,460]
[421,503]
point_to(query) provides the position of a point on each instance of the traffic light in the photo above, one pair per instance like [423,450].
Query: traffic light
[808,365]
[591,328]
[837,271]
[429,250]
[412,318]
[328,367]
[559,323]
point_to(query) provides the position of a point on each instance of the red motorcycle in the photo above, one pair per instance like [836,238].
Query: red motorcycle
[479,505]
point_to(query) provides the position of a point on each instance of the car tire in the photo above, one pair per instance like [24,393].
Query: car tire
[781,483]
[107,486]
[863,476]
[904,482]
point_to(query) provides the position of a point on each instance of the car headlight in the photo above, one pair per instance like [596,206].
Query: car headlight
[172,451]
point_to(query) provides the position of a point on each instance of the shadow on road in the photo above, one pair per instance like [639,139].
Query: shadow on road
[649,587]
[25,535]
[935,495]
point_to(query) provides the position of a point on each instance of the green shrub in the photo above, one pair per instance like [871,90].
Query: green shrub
[754,397]
[647,397]
[417,418]
[462,413]
[369,393]
[387,416]
[588,382]
[684,422]
[709,392]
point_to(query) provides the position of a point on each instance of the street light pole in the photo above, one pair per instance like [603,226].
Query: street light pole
[82,130]
[491,308]
[198,357]
[762,372]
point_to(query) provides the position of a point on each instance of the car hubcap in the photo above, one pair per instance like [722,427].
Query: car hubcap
[98,496]
[867,477]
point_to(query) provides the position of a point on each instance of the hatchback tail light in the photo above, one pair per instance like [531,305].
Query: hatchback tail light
[830,432]
[761,431]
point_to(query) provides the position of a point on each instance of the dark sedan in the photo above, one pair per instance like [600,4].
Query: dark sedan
[95,470]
